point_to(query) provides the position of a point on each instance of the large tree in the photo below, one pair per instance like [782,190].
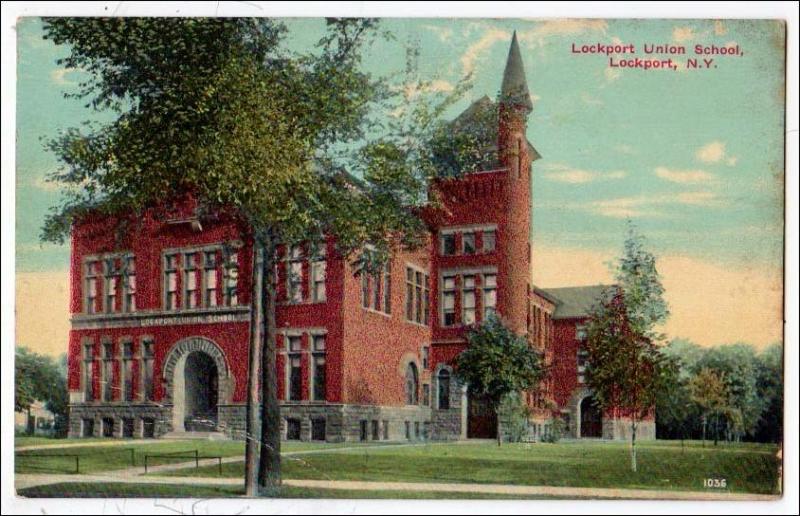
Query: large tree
[625,365]
[221,110]
[39,378]
[497,363]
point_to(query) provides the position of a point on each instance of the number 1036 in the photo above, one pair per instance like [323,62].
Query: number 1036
[715,482]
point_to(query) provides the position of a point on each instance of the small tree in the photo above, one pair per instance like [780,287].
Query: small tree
[625,367]
[497,363]
[39,378]
[709,392]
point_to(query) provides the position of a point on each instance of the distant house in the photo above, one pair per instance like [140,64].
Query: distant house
[160,316]
[38,420]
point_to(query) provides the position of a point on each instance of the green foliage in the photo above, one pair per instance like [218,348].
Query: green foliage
[39,377]
[769,384]
[513,414]
[558,428]
[497,362]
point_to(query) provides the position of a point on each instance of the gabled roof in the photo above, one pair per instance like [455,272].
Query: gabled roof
[573,302]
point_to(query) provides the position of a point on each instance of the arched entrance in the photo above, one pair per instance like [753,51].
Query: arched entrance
[201,382]
[591,418]
[196,381]
[481,418]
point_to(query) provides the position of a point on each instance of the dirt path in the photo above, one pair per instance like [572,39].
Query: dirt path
[23,481]
[136,442]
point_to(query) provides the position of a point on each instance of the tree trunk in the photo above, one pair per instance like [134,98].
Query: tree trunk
[254,362]
[497,417]
[633,445]
[704,430]
[269,471]
[716,430]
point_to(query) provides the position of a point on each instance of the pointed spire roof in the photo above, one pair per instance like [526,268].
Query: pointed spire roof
[515,87]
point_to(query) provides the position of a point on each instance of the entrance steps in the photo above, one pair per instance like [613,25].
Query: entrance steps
[205,436]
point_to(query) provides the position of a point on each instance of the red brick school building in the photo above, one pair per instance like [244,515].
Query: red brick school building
[159,337]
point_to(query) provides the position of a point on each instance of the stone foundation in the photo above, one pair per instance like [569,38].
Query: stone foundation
[299,421]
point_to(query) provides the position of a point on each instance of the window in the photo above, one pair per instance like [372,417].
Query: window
[190,283]
[417,292]
[112,276]
[294,373]
[387,288]
[232,280]
[489,240]
[148,356]
[108,427]
[362,434]
[88,427]
[468,300]
[376,290]
[292,429]
[489,294]
[426,353]
[416,430]
[108,371]
[519,158]
[90,289]
[148,428]
[448,244]
[127,371]
[412,384]
[88,371]
[580,332]
[408,430]
[443,380]
[448,301]
[129,299]
[171,281]
[210,288]
[319,392]
[385,430]
[127,428]
[581,365]
[468,243]
[318,430]
[318,273]
[426,394]
[294,275]
[364,289]
[376,432]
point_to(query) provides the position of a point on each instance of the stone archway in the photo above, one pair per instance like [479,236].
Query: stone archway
[591,423]
[199,364]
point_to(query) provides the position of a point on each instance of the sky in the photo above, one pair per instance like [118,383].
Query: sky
[694,157]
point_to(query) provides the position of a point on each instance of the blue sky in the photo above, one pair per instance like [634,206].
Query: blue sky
[694,157]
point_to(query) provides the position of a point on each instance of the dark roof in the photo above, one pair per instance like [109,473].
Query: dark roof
[515,86]
[573,302]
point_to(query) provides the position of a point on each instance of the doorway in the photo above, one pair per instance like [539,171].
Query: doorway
[200,392]
[591,418]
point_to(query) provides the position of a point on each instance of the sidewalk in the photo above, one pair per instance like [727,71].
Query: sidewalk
[23,481]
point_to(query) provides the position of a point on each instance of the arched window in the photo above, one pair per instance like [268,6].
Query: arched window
[443,381]
[412,384]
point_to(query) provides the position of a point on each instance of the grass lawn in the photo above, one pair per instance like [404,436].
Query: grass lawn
[120,490]
[747,468]
[24,440]
[104,458]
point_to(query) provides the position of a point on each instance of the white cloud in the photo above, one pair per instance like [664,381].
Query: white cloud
[625,149]
[684,176]
[647,206]
[732,161]
[590,100]
[562,173]
[612,74]
[562,27]
[683,34]
[477,49]
[443,33]
[719,28]
[711,152]
[58,76]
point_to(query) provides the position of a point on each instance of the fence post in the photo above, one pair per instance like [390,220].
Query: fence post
[219,459]
[145,464]
[77,464]
[196,460]
[133,458]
